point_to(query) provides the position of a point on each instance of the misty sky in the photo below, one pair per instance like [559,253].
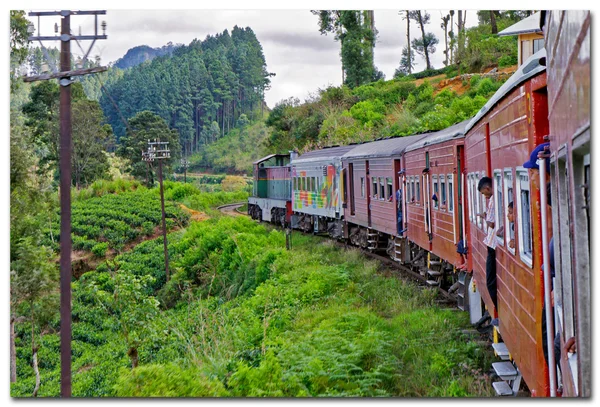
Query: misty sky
[302,59]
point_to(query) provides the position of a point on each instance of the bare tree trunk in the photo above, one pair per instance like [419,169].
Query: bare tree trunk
[408,46]
[423,36]
[13,349]
[452,31]
[133,355]
[493,22]
[459,51]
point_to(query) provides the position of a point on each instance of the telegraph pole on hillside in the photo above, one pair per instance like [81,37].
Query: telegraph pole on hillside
[159,150]
[64,77]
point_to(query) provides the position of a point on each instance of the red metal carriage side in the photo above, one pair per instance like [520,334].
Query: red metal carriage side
[441,153]
[568,43]
[497,143]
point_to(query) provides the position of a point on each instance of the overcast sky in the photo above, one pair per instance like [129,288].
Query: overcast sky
[302,59]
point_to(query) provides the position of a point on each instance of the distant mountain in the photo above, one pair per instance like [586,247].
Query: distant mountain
[142,53]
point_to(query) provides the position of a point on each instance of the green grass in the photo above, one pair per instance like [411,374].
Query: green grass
[243,317]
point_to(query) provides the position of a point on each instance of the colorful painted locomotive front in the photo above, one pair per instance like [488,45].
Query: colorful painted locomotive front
[569,77]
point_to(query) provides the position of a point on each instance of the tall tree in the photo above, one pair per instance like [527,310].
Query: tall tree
[18,43]
[409,55]
[357,36]
[426,44]
[407,62]
[444,25]
[143,127]
[91,139]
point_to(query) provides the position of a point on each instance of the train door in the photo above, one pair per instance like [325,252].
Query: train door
[398,197]
[459,196]
[351,176]
[369,191]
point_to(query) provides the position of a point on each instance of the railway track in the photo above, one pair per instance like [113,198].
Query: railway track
[232,209]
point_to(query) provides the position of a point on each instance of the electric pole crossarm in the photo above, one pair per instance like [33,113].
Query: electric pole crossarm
[63,12]
[73,37]
[65,74]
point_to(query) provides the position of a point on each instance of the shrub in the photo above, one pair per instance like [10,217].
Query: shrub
[100,249]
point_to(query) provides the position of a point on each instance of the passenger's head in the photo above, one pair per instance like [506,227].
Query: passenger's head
[534,168]
[510,214]
[485,187]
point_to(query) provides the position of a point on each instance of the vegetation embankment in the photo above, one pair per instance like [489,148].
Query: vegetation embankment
[241,316]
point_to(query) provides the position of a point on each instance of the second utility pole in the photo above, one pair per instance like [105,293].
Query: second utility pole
[65,210]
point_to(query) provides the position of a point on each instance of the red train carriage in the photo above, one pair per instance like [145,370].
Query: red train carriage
[498,141]
[434,201]
[568,62]
[371,174]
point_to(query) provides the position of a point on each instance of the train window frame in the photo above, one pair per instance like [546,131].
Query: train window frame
[523,185]
[302,183]
[478,199]
[435,188]
[412,190]
[509,232]
[381,189]
[389,189]
[469,196]
[362,187]
[418,191]
[443,193]
[374,194]
[450,194]
[499,208]
[407,192]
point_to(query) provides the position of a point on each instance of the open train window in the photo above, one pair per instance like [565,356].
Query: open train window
[418,190]
[390,189]
[478,201]
[362,187]
[524,216]
[374,195]
[499,206]
[443,196]
[381,189]
[450,193]
[509,230]
[407,192]
[412,190]
[436,192]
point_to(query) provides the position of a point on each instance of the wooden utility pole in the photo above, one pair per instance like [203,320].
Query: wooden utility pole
[158,150]
[65,170]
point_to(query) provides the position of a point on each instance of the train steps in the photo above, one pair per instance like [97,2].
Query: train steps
[501,350]
[435,273]
[375,241]
[511,378]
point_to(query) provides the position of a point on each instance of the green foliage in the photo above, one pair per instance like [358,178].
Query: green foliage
[169,380]
[143,127]
[99,250]
[369,113]
[115,219]
[200,89]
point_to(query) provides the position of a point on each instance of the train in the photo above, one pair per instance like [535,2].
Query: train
[417,199]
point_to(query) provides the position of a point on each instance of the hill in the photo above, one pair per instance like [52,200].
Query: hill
[142,53]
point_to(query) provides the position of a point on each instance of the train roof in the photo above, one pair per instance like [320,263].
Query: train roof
[531,67]
[269,157]
[449,133]
[383,148]
[326,153]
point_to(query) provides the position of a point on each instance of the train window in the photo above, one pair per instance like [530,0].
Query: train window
[538,45]
[390,190]
[442,197]
[470,197]
[509,230]
[375,194]
[412,190]
[435,192]
[362,187]
[524,216]
[450,193]
[418,190]
[294,183]
[480,202]
[304,183]
[499,206]
[381,189]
